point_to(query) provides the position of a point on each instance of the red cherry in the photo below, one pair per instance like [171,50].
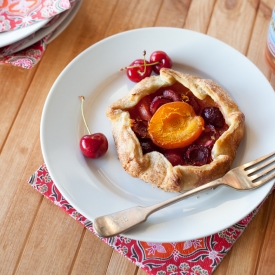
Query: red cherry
[140,128]
[147,146]
[163,59]
[170,94]
[175,157]
[213,116]
[144,108]
[94,145]
[157,102]
[137,71]
[197,155]
[208,137]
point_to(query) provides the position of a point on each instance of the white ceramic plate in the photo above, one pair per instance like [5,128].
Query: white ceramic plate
[98,187]
[9,37]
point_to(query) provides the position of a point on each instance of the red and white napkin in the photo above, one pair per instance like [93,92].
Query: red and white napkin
[23,13]
[16,14]
[201,256]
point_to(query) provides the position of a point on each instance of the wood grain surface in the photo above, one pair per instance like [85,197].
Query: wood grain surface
[36,237]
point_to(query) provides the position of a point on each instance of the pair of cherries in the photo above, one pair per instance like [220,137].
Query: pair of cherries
[141,68]
[96,145]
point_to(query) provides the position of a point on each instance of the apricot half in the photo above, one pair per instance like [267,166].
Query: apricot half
[175,125]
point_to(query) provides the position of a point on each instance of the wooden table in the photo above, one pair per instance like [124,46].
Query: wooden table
[29,243]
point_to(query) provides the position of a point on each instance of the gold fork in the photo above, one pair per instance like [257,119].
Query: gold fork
[245,177]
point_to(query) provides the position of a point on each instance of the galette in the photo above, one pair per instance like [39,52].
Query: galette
[176,131]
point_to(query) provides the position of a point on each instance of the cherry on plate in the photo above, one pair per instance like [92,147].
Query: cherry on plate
[137,71]
[164,61]
[92,145]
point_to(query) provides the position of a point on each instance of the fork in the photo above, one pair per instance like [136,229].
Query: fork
[245,177]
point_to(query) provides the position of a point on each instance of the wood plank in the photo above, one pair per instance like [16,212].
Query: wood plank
[223,266]
[56,244]
[173,13]
[11,99]
[20,216]
[120,265]
[136,14]
[199,15]
[267,257]
[243,259]
[141,272]
[18,146]
[232,22]
[93,256]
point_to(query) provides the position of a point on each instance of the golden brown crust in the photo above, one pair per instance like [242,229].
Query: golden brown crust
[153,167]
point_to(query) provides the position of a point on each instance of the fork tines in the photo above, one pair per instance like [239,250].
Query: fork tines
[262,169]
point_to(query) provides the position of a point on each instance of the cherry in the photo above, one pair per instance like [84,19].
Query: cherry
[208,136]
[157,102]
[164,61]
[140,128]
[170,94]
[141,68]
[175,157]
[144,108]
[197,155]
[213,116]
[147,146]
[137,71]
[92,145]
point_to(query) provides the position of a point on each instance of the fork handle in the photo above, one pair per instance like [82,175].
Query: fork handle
[116,223]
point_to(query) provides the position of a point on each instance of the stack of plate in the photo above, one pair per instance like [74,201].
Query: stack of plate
[19,39]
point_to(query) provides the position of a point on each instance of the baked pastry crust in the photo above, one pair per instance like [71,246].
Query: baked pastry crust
[153,167]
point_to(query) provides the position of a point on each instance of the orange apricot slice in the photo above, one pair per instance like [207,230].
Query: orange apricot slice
[175,125]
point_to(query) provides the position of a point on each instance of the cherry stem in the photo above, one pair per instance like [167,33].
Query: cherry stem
[82,98]
[144,65]
[136,66]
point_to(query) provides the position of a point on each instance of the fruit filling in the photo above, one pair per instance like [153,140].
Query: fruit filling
[177,124]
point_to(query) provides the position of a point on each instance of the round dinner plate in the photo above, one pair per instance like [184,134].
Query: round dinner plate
[101,186]
[9,37]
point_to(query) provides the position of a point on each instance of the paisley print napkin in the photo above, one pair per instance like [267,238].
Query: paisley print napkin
[26,58]
[201,256]
[29,57]
[16,14]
